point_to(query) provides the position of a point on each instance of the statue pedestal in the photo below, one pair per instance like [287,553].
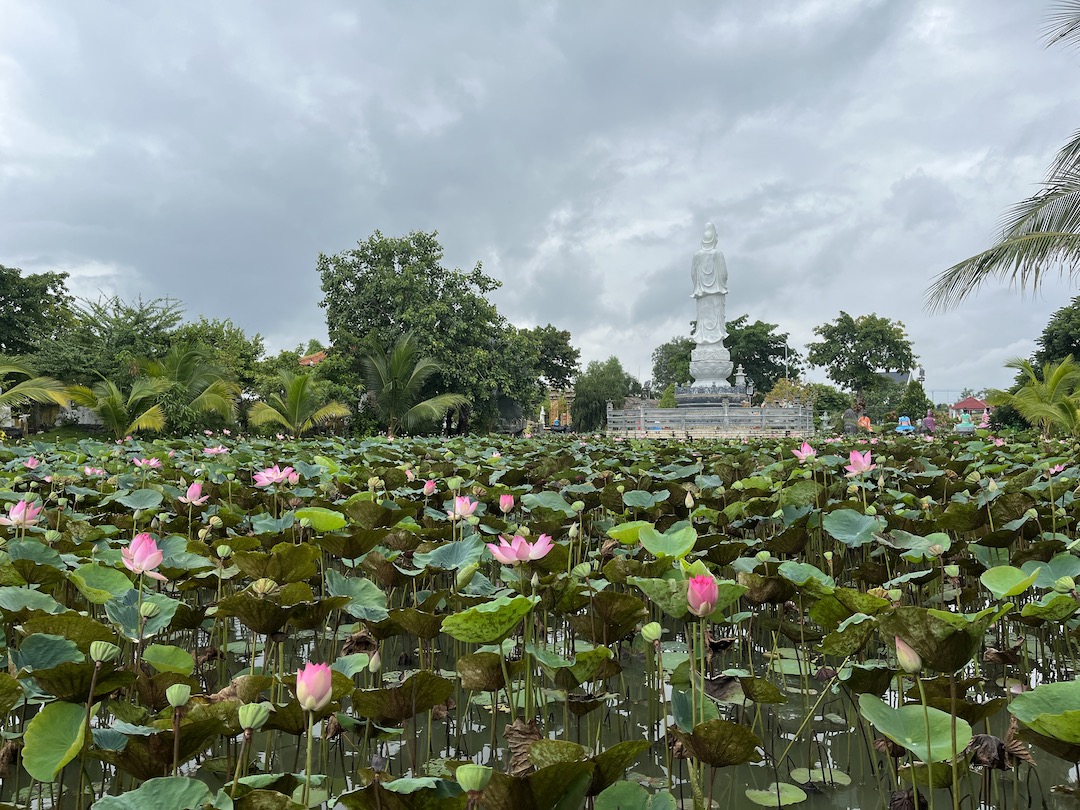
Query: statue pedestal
[710,366]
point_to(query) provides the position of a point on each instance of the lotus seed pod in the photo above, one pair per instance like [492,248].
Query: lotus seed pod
[52,536]
[524,531]
[253,716]
[103,652]
[263,587]
[473,778]
[223,551]
[204,533]
[952,571]
[763,556]
[61,502]
[581,570]
[178,694]
[1065,585]
[651,632]
[852,489]
[472,520]
[215,522]
[880,593]
[149,610]
[620,489]
[578,506]
[871,509]
[465,575]
[689,500]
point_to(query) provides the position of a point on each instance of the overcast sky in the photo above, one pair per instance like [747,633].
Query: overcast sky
[847,151]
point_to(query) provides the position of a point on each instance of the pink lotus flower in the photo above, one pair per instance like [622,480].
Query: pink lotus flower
[142,556]
[276,475]
[215,451]
[859,463]
[429,488]
[93,471]
[520,550]
[702,593]
[31,463]
[506,504]
[464,506]
[148,463]
[804,453]
[194,495]
[172,454]
[410,476]
[998,442]
[909,660]
[208,432]
[21,513]
[314,686]
[1050,473]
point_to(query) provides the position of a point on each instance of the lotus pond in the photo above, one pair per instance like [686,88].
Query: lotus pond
[539,623]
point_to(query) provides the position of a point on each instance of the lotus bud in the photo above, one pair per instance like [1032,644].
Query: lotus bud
[992,486]
[223,551]
[178,694]
[881,482]
[828,556]
[149,610]
[1065,585]
[763,556]
[535,583]
[578,506]
[936,550]
[894,594]
[429,488]
[688,501]
[651,632]
[374,663]
[952,571]
[103,652]
[51,536]
[907,658]
[574,531]
[465,575]
[581,570]
[473,778]
[263,587]
[253,716]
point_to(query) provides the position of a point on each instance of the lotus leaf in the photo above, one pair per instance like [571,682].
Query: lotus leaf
[53,738]
[675,543]
[558,787]
[632,796]
[926,732]
[945,641]
[322,519]
[419,692]
[547,500]
[162,793]
[284,564]
[778,794]
[628,533]
[821,775]
[642,499]
[1004,581]
[99,583]
[611,617]
[1046,710]
[489,622]
[720,743]
[452,556]
[165,658]
[44,651]
[852,528]
[1052,607]
[1060,565]
[808,578]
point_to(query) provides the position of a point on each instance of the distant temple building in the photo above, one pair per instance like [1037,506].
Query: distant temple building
[971,406]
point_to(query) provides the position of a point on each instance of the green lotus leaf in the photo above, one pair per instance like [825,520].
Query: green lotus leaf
[778,794]
[322,519]
[632,796]
[808,578]
[481,671]
[926,732]
[100,583]
[452,556]
[641,499]
[1045,710]
[284,564]
[852,528]
[419,692]
[366,601]
[820,775]
[544,753]
[667,594]
[489,622]
[44,651]
[53,738]
[628,533]
[166,658]
[945,641]
[673,544]
[1052,607]
[1004,581]
[611,763]
[141,499]
[162,793]
[720,743]
[1060,565]
[547,500]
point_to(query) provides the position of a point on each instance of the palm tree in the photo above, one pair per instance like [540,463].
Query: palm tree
[33,389]
[124,414]
[1039,234]
[1045,400]
[394,381]
[298,411]
[195,385]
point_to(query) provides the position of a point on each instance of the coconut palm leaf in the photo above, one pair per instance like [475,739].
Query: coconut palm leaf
[195,381]
[394,381]
[121,413]
[1046,400]
[33,389]
[297,407]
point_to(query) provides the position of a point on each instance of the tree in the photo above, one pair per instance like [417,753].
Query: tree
[667,399]
[557,360]
[854,351]
[394,381]
[121,413]
[599,384]
[1046,397]
[915,402]
[196,388]
[764,355]
[671,363]
[1061,337]
[1040,233]
[36,308]
[107,339]
[387,287]
[296,405]
[225,346]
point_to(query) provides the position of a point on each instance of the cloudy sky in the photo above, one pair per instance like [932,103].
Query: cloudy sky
[847,151]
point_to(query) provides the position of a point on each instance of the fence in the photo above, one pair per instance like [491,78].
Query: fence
[724,421]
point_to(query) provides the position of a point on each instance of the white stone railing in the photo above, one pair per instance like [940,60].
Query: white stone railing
[732,421]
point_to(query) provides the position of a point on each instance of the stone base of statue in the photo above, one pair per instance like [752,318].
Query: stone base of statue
[710,366]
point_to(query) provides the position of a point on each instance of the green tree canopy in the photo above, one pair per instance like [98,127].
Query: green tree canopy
[763,353]
[671,363]
[599,384]
[1061,337]
[854,351]
[225,346]
[36,308]
[297,406]
[387,287]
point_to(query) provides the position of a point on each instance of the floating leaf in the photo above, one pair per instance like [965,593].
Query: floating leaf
[162,793]
[165,658]
[778,794]
[53,738]
[321,519]
[926,732]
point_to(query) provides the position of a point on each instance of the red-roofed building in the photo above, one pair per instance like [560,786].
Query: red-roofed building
[312,359]
[971,406]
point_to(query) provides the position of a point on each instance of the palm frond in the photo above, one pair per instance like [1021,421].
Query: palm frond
[432,409]
[1063,23]
[36,389]
[153,418]
[331,410]
[263,414]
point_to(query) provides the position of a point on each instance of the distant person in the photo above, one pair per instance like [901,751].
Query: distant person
[905,425]
[864,423]
[929,423]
